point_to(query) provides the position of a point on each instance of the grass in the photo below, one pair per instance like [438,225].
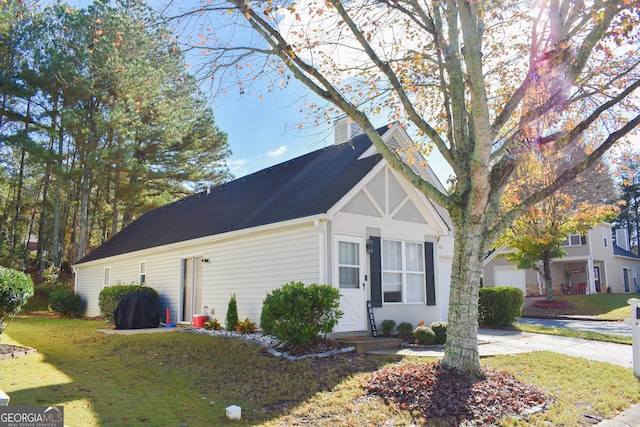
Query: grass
[603,306]
[178,378]
[614,307]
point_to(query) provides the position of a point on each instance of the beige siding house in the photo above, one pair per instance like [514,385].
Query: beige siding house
[593,264]
[339,216]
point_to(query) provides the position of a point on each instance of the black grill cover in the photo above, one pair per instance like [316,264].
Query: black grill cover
[137,311]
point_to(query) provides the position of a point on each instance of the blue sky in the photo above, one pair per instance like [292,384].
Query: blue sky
[262,133]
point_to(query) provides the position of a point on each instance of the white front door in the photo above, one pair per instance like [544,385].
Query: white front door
[191,284]
[349,278]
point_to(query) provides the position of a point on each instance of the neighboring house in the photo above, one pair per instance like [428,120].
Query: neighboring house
[593,264]
[339,215]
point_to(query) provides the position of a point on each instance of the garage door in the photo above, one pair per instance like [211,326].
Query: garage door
[509,276]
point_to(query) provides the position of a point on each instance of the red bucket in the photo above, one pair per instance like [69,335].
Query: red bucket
[199,320]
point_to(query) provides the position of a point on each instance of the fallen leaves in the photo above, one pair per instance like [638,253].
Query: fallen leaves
[436,392]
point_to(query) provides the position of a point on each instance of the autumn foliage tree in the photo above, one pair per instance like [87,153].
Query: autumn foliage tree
[460,75]
[536,237]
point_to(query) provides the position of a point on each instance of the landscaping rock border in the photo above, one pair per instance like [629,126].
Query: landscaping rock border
[270,342]
[286,355]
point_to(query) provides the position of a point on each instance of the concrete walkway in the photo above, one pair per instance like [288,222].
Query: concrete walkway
[492,342]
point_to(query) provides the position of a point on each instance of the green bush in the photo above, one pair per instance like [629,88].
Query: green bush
[16,288]
[387,326]
[110,296]
[66,303]
[405,329]
[232,314]
[500,305]
[440,329]
[299,314]
[424,335]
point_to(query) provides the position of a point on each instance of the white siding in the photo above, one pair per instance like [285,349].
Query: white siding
[379,206]
[249,265]
[255,265]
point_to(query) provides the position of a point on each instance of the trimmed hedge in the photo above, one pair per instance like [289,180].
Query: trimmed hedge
[299,314]
[405,330]
[66,303]
[110,296]
[16,288]
[424,335]
[387,327]
[440,329]
[500,305]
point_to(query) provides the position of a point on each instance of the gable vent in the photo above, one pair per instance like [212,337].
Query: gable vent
[344,130]
[393,143]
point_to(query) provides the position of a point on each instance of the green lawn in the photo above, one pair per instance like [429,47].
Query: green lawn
[603,306]
[178,378]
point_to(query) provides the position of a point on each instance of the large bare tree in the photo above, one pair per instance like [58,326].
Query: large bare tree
[483,82]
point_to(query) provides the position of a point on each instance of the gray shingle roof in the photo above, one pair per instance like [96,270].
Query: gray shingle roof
[617,250]
[301,187]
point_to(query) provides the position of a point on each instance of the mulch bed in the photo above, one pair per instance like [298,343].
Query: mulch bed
[438,393]
[551,304]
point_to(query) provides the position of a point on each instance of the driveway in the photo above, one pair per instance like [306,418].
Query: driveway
[607,327]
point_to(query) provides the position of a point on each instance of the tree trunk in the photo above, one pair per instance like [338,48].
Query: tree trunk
[83,222]
[461,349]
[57,208]
[548,281]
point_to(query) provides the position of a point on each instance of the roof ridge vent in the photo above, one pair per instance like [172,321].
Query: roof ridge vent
[345,129]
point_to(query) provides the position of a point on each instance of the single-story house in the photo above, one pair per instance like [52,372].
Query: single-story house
[339,215]
[593,264]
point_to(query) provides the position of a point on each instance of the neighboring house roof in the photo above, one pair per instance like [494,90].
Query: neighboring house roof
[617,250]
[305,186]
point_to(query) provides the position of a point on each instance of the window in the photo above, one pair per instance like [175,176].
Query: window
[403,272]
[348,265]
[604,236]
[575,240]
[634,275]
[143,272]
[106,278]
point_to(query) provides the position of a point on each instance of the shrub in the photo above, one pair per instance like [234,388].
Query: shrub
[232,314]
[298,314]
[246,327]
[387,326]
[213,325]
[424,335]
[66,303]
[405,329]
[500,305]
[440,329]
[16,288]
[50,282]
[110,296]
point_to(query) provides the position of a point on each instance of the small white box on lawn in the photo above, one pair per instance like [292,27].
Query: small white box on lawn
[4,399]
[234,412]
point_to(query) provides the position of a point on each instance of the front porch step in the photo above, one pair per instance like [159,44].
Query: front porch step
[364,344]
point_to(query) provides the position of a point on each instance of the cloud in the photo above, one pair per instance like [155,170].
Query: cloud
[236,164]
[279,152]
